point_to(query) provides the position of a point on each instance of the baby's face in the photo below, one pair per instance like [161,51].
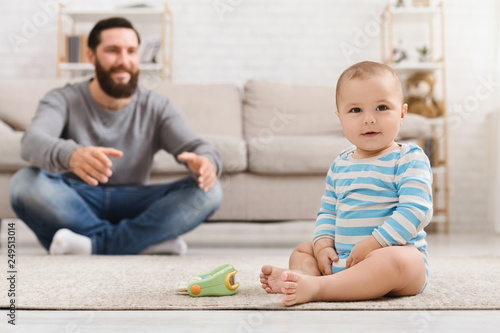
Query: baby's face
[371,112]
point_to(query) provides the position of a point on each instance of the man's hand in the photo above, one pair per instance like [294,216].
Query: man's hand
[92,164]
[361,250]
[325,255]
[201,166]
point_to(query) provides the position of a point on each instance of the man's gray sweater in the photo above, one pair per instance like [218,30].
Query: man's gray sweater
[68,118]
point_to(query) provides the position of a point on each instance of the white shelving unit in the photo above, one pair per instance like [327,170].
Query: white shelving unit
[409,67]
[430,23]
[160,17]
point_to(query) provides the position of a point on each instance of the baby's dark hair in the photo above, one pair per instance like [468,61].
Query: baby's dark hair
[110,23]
[364,70]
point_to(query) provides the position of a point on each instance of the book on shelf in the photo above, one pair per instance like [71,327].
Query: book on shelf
[429,149]
[73,49]
[77,49]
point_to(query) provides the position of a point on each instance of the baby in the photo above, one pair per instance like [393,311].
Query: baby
[369,238]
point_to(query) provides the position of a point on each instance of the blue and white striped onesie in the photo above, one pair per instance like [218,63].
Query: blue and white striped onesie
[387,196]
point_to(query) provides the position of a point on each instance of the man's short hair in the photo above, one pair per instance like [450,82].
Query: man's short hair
[109,23]
[364,70]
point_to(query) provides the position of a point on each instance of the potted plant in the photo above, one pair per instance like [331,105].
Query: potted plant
[423,53]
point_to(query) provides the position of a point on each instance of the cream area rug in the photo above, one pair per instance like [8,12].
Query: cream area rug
[150,283]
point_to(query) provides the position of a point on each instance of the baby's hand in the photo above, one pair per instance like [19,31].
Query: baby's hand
[325,258]
[361,250]
[325,254]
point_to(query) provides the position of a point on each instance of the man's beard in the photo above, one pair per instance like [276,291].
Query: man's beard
[116,90]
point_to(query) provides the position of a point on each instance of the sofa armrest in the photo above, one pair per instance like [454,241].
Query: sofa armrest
[10,149]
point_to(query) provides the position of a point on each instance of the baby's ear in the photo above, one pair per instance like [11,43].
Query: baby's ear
[337,113]
[404,110]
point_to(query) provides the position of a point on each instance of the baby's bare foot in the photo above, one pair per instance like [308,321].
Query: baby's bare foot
[299,288]
[271,278]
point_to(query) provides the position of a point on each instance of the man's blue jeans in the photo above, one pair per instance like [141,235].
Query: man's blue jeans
[117,219]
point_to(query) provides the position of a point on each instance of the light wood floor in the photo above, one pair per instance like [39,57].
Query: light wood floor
[259,239]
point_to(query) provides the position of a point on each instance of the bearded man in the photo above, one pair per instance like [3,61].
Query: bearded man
[91,147]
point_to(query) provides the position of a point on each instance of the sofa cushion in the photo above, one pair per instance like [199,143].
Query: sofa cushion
[296,155]
[232,150]
[209,109]
[10,149]
[272,109]
[20,99]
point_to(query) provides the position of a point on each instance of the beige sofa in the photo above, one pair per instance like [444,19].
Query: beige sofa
[277,142]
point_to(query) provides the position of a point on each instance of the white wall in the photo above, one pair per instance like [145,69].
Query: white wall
[473,91]
[296,41]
